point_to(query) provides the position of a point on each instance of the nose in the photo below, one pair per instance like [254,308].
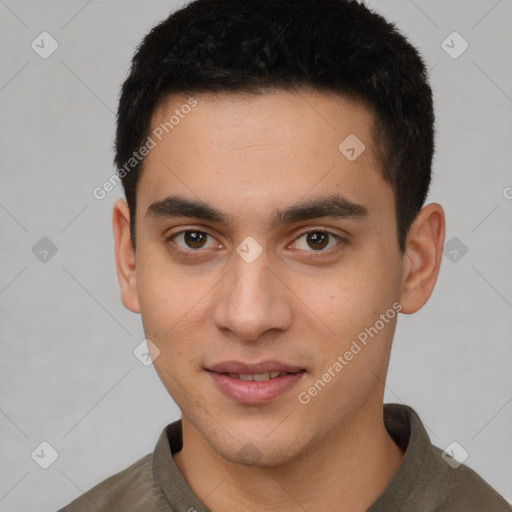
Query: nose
[253,300]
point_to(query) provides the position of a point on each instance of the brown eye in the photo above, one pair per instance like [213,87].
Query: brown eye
[195,239]
[189,240]
[317,240]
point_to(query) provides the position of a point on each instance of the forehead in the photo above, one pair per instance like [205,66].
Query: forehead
[279,147]
[274,117]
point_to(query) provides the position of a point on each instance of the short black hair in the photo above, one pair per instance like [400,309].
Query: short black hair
[254,46]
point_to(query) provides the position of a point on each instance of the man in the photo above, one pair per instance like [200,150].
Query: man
[275,158]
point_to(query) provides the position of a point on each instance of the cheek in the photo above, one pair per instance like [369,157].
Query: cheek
[167,297]
[343,298]
[351,299]
[173,314]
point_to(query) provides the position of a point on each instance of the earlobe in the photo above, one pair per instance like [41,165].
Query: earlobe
[125,256]
[422,258]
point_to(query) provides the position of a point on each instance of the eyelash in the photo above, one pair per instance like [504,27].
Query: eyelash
[314,254]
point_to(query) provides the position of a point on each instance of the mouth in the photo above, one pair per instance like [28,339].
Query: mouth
[258,377]
[254,383]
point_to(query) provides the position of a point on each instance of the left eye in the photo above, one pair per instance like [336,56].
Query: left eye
[316,240]
[194,240]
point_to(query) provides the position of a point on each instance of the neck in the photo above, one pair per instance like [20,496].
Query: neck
[351,466]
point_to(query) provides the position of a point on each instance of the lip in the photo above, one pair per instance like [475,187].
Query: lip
[254,392]
[252,368]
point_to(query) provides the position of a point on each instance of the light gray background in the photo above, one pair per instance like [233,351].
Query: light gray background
[68,373]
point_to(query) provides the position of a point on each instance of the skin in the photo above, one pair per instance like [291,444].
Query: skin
[248,155]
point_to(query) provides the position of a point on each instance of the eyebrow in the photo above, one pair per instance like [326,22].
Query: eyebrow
[335,206]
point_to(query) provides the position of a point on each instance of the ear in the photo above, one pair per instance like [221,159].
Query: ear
[422,258]
[125,256]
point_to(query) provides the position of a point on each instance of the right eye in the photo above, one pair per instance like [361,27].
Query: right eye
[190,241]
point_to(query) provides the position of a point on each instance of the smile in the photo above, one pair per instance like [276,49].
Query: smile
[253,389]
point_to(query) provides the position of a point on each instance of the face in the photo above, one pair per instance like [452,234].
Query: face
[260,238]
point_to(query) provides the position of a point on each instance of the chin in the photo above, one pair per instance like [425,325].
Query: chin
[256,448]
[261,454]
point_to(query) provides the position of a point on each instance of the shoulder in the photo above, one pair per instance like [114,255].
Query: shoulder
[132,489]
[462,489]
[428,479]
